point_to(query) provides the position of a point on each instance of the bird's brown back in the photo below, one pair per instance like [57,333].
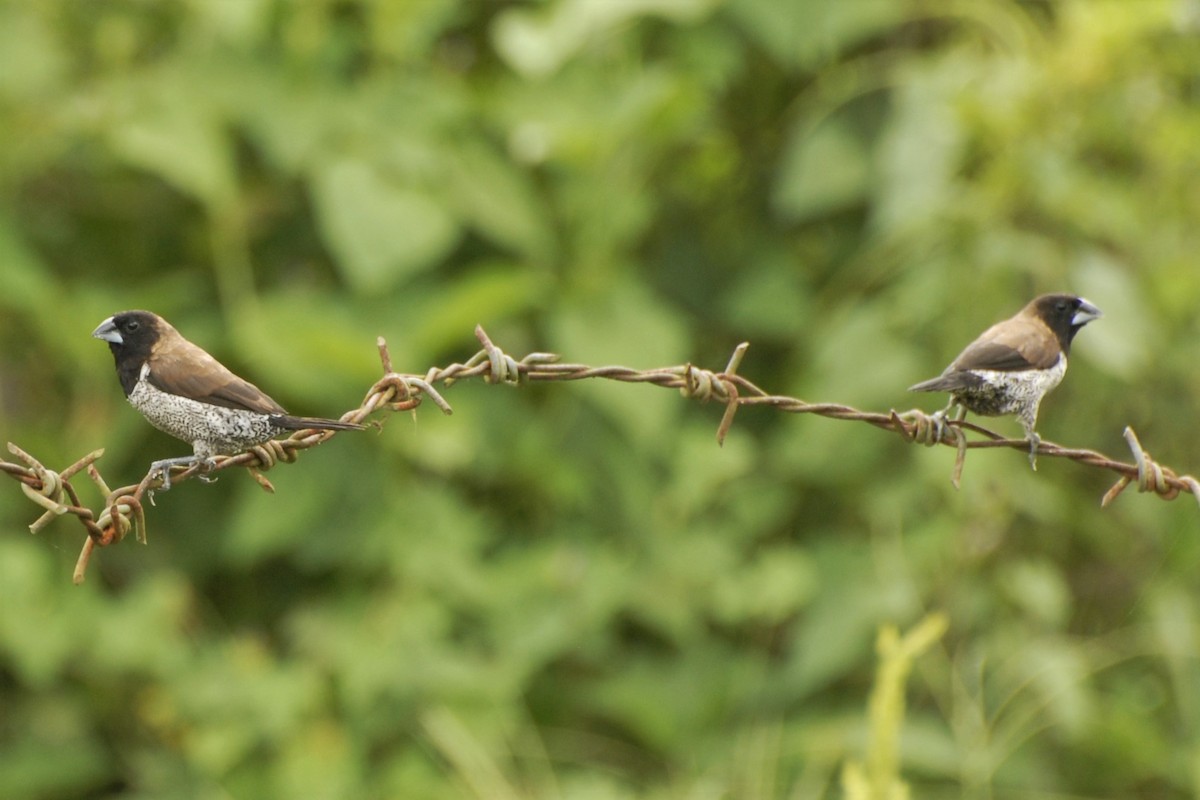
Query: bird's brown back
[179,367]
[1022,342]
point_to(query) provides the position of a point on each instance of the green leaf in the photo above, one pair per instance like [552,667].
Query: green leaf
[805,32]
[1038,588]
[919,154]
[379,230]
[33,63]
[498,200]
[823,171]
[175,136]
[538,42]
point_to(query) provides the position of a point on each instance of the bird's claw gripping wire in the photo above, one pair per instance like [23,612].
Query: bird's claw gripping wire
[162,467]
[1035,442]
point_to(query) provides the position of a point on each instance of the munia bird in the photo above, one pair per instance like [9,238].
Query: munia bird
[1015,363]
[182,390]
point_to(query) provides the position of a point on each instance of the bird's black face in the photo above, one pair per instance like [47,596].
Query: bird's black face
[129,333]
[130,336]
[1066,315]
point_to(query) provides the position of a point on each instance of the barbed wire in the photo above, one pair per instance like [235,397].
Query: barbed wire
[123,510]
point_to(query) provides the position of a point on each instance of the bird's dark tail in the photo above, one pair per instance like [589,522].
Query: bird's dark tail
[950,382]
[290,423]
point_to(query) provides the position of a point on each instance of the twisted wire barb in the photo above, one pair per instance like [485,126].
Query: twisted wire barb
[123,509]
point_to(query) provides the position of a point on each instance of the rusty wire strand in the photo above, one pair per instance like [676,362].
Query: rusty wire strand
[123,509]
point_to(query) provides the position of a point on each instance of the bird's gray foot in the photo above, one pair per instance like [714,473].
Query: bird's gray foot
[1034,441]
[164,466]
[941,419]
[938,418]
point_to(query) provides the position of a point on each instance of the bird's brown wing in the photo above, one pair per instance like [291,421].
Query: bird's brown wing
[179,367]
[1016,344]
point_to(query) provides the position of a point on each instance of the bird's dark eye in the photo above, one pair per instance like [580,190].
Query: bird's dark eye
[1062,305]
[132,325]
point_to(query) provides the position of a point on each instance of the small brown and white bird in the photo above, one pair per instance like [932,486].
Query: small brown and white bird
[184,391]
[1015,363]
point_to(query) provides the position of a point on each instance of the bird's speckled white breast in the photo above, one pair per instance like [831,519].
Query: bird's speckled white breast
[211,430]
[1018,392]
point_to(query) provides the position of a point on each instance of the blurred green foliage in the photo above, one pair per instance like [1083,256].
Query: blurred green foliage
[569,590]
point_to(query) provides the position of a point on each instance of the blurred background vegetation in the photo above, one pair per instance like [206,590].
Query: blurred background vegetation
[569,591]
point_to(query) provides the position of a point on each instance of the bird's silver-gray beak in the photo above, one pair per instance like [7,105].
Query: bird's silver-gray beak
[1085,314]
[107,331]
